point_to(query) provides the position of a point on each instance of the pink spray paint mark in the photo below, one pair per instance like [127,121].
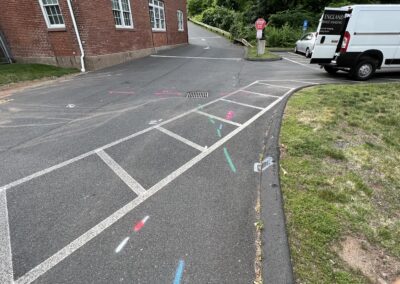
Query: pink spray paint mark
[140,224]
[168,93]
[229,115]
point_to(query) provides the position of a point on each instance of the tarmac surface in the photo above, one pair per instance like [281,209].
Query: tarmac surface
[116,176]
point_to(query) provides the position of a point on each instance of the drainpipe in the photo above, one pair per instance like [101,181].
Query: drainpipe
[77,36]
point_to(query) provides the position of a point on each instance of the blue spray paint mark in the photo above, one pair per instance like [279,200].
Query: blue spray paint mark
[179,272]
[219,133]
[228,158]
[220,126]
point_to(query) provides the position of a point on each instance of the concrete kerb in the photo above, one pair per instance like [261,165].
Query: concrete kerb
[276,263]
[259,59]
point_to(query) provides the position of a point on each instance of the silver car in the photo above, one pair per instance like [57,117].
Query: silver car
[306,44]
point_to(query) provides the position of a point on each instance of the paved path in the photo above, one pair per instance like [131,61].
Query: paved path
[116,176]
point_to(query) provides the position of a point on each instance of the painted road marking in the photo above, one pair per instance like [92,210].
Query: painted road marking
[119,171]
[6,267]
[59,256]
[140,224]
[194,57]
[304,65]
[179,272]
[218,118]
[180,138]
[242,104]
[276,86]
[75,159]
[229,160]
[121,245]
[260,94]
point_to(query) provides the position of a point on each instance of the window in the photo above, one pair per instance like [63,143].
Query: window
[180,20]
[52,13]
[122,13]
[157,15]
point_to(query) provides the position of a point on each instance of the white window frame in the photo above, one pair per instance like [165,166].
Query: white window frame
[161,9]
[179,15]
[46,16]
[123,26]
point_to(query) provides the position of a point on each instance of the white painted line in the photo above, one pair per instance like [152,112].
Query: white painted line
[304,65]
[59,256]
[276,86]
[242,104]
[305,82]
[180,138]
[298,55]
[260,94]
[218,118]
[207,47]
[119,171]
[75,159]
[193,57]
[6,267]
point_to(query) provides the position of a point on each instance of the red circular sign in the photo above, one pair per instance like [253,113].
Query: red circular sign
[260,24]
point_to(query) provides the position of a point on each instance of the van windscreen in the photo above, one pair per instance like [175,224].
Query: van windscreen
[332,22]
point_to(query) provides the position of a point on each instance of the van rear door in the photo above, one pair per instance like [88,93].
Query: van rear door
[330,34]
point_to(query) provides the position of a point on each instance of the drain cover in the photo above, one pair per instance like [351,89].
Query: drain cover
[196,94]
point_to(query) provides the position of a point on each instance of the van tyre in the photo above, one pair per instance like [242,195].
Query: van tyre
[295,50]
[330,70]
[364,69]
[308,53]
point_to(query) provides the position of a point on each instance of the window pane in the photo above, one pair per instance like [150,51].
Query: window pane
[125,6]
[115,4]
[127,18]
[117,18]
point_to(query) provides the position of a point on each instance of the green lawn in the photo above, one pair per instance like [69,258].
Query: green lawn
[252,54]
[12,73]
[340,175]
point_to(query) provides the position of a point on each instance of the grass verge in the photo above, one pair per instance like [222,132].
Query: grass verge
[252,54]
[12,73]
[340,176]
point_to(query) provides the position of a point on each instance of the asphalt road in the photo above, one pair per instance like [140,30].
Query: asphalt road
[84,160]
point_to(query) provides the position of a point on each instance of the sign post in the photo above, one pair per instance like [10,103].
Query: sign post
[260,25]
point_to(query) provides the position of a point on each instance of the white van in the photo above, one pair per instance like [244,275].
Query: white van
[358,39]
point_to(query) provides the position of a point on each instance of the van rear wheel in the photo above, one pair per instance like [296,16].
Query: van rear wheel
[364,69]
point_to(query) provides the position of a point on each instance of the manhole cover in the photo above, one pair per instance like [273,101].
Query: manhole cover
[196,95]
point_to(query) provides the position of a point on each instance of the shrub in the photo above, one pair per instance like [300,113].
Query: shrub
[221,17]
[294,18]
[282,37]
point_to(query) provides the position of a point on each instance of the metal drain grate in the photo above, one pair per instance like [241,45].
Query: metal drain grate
[196,95]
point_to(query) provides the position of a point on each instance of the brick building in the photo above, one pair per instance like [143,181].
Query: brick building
[109,31]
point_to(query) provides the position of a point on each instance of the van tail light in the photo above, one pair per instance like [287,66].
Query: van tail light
[345,43]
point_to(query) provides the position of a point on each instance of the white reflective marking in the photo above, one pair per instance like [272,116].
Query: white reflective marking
[6,267]
[219,118]
[193,57]
[242,104]
[180,138]
[276,86]
[260,94]
[119,171]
